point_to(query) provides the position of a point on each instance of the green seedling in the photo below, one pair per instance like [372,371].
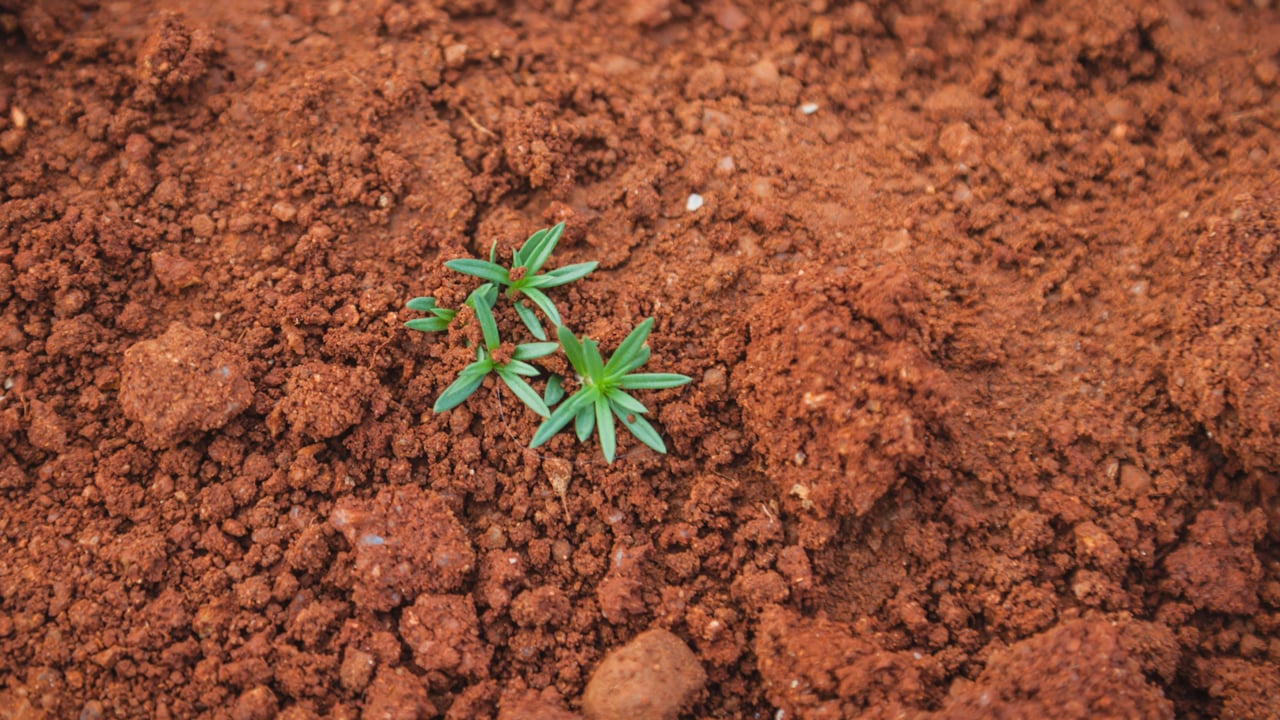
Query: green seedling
[512,371]
[524,277]
[439,320]
[604,395]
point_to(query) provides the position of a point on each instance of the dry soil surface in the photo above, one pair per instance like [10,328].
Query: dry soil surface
[981,306]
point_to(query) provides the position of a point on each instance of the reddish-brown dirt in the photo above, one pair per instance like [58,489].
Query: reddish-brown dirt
[981,307]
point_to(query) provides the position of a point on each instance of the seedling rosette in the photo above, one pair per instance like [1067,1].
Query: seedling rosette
[603,395]
[524,277]
[511,371]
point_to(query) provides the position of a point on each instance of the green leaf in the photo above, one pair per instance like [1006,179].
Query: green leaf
[431,324]
[481,269]
[572,350]
[493,252]
[595,364]
[585,422]
[604,427]
[534,260]
[652,381]
[444,313]
[561,416]
[622,400]
[562,276]
[422,304]
[527,394]
[641,428]
[521,367]
[544,304]
[468,380]
[529,319]
[483,306]
[533,351]
[622,369]
[529,247]
[555,390]
[489,292]
[630,347]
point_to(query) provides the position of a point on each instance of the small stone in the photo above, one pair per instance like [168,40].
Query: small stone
[11,141]
[181,383]
[46,430]
[649,13]
[174,272]
[357,669]
[257,703]
[284,212]
[1266,71]
[202,226]
[694,202]
[730,16]
[1134,481]
[455,55]
[652,677]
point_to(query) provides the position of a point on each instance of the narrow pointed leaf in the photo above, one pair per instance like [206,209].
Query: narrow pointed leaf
[489,292]
[530,320]
[431,324]
[585,422]
[533,351]
[521,367]
[595,364]
[493,252]
[604,428]
[630,347]
[642,357]
[572,350]
[544,304]
[652,381]
[560,417]
[527,394]
[488,325]
[481,269]
[422,304]
[444,313]
[530,246]
[468,380]
[641,428]
[625,402]
[535,260]
[555,390]
[562,276]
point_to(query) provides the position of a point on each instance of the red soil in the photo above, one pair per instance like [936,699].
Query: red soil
[982,309]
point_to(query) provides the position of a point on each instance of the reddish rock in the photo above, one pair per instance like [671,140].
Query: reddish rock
[650,678]
[183,383]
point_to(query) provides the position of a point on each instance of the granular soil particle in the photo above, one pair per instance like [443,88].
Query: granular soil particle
[980,302]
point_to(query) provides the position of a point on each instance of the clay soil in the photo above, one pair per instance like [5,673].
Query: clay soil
[981,304]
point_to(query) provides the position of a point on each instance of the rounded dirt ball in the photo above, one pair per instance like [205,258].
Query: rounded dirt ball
[650,678]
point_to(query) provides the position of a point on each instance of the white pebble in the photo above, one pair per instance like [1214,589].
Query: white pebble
[809,108]
[693,203]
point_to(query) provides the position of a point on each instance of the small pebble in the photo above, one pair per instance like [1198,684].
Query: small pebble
[693,203]
[650,678]
[809,108]
[202,226]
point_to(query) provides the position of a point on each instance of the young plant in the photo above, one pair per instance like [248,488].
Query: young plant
[511,371]
[524,278]
[439,320]
[604,395]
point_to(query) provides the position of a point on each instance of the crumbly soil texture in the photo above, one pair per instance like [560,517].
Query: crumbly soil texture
[981,303]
